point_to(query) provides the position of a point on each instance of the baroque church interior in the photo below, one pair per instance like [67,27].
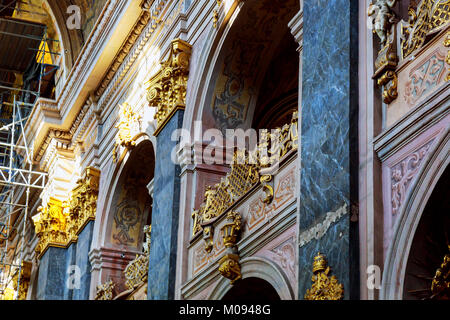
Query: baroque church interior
[224,150]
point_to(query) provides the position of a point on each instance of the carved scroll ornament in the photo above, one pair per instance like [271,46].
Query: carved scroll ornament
[167,89]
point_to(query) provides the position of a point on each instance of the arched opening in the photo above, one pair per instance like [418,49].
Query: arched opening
[131,203]
[255,78]
[130,211]
[252,289]
[430,247]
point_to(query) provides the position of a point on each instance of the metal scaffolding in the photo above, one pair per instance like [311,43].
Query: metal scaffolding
[17,174]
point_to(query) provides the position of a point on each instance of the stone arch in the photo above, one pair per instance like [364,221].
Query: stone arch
[256,267]
[409,218]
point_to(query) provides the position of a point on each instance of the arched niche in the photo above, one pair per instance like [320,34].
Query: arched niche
[249,74]
[398,254]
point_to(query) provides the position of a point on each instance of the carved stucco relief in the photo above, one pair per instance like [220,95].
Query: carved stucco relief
[403,173]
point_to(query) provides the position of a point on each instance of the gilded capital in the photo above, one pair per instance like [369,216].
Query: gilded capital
[58,223]
[51,226]
[167,89]
[82,204]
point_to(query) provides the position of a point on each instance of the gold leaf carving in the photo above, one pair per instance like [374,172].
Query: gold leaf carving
[324,287]
[167,89]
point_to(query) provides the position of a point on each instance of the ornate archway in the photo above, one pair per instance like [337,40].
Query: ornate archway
[408,221]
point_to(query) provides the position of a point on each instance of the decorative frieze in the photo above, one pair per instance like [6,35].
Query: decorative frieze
[425,77]
[324,286]
[58,223]
[167,89]
[429,16]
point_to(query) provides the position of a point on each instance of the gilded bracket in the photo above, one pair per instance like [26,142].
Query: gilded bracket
[22,286]
[385,65]
[323,286]
[167,89]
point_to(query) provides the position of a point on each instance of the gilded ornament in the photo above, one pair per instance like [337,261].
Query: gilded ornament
[385,68]
[216,13]
[167,89]
[246,173]
[58,223]
[440,285]
[429,16]
[323,286]
[208,237]
[21,287]
[390,81]
[82,204]
[229,267]
[229,264]
[105,291]
[231,229]
[384,18]
[447,59]
[129,126]
[51,226]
